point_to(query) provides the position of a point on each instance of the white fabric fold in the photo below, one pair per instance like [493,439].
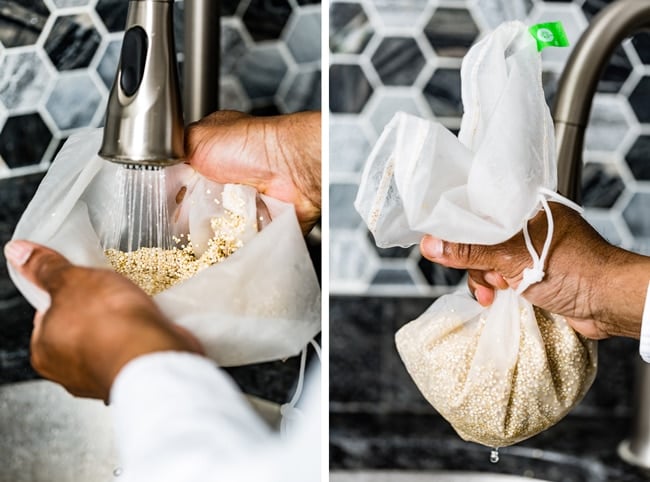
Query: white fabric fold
[178,418]
[482,188]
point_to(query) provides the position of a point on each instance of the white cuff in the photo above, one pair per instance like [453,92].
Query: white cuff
[644,341]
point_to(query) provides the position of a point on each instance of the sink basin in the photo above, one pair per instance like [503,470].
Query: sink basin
[47,435]
[438,476]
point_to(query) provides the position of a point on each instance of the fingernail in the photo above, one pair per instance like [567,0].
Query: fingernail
[18,252]
[432,247]
[479,299]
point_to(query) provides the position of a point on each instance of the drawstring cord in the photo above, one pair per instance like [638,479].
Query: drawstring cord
[291,414]
[535,274]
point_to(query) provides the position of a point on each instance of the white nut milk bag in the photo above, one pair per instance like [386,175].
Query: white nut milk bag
[507,372]
[262,303]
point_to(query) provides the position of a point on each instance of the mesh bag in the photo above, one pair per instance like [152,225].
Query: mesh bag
[262,303]
[504,373]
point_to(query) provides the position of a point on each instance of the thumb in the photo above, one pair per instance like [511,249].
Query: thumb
[223,147]
[456,255]
[42,266]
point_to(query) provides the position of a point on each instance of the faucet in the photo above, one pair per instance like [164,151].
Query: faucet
[576,90]
[577,85]
[201,66]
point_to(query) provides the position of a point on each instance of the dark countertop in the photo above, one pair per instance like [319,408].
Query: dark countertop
[578,449]
[379,420]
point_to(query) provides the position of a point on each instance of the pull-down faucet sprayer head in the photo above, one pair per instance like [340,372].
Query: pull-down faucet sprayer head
[144,117]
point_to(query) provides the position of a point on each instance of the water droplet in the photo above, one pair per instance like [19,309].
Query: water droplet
[117,471]
[494,455]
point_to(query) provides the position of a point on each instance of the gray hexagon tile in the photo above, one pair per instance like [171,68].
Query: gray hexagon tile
[442,92]
[398,60]
[400,13]
[265,19]
[112,13]
[73,41]
[494,12]
[389,275]
[636,215]
[107,66]
[601,185]
[232,95]
[233,46]
[592,7]
[604,224]
[439,275]
[303,92]
[451,31]
[229,7]
[24,79]
[3,115]
[616,73]
[550,80]
[341,200]
[64,106]
[352,261]
[21,23]
[350,29]
[261,70]
[349,88]
[303,37]
[386,102]
[641,44]
[13,148]
[265,108]
[349,146]
[638,158]
[640,99]
[608,123]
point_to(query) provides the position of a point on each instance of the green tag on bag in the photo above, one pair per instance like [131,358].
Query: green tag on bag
[549,34]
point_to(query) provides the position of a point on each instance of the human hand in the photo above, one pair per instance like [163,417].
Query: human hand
[97,322]
[280,156]
[599,288]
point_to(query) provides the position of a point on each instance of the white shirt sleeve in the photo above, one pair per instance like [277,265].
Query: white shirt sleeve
[644,342]
[178,417]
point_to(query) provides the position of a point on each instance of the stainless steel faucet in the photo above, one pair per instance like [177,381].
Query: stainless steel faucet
[201,65]
[144,118]
[576,90]
[577,85]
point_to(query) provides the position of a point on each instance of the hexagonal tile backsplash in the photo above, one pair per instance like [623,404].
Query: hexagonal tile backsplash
[390,55]
[58,59]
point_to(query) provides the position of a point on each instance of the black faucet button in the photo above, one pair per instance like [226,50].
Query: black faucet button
[133,59]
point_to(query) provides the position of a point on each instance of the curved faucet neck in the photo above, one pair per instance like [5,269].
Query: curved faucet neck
[579,80]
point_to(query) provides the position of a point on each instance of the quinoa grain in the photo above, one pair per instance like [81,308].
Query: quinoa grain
[156,269]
